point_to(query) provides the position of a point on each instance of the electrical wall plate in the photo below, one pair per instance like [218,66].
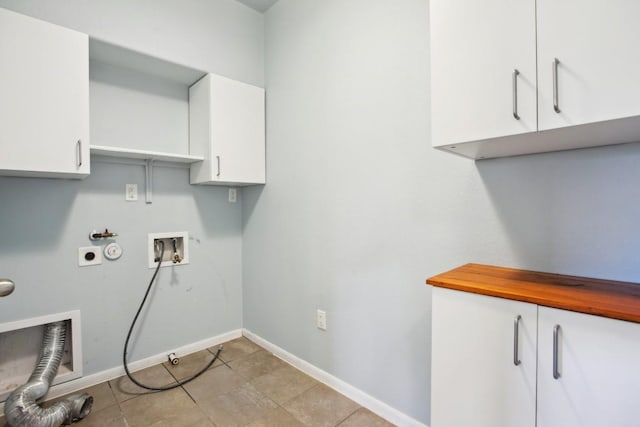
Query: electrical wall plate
[131,192]
[168,259]
[89,255]
[321,320]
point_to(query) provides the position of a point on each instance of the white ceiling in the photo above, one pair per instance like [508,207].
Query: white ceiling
[259,5]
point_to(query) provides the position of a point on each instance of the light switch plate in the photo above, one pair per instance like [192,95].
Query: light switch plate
[131,192]
[321,320]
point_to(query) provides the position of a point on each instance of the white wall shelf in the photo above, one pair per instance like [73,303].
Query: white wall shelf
[130,153]
[146,158]
[139,106]
[128,58]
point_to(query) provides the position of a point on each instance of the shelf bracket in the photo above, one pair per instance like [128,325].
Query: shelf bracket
[148,180]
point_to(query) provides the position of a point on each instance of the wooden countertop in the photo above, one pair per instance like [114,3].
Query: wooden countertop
[607,298]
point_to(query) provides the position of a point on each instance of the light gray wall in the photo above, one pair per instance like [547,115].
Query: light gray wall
[43,222]
[359,210]
[219,36]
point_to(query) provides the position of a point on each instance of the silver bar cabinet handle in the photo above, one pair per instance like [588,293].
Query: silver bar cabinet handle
[79,152]
[515,94]
[556,332]
[516,328]
[218,160]
[555,63]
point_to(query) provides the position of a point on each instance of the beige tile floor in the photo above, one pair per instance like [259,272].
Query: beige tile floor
[247,386]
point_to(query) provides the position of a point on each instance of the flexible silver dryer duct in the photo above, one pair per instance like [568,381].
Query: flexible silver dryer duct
[21,408]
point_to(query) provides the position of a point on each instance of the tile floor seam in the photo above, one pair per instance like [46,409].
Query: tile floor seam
[124,418]
[295,418]
[348,416]
[190,397]
[251,398]
[200,407]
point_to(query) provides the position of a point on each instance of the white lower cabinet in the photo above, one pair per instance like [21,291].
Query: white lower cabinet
[477,340]
[598,371]
[474,378]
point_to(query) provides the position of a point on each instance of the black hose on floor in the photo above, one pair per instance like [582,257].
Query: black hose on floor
[135,319]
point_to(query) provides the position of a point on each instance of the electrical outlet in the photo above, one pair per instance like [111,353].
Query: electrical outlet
[321,320]
[233,195]
[89,255]
[131,192]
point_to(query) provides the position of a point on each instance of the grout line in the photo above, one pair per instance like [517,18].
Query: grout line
[348,416]
[363,399]
[191,397]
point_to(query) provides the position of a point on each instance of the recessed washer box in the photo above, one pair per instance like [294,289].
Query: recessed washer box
[176,248]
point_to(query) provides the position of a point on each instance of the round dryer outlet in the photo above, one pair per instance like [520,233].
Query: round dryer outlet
[112,251]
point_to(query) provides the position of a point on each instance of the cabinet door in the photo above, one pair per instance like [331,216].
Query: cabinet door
[238,130]
[475,48]
[227,127]
[599,379]
[595,43]
[44,102]
[475,380]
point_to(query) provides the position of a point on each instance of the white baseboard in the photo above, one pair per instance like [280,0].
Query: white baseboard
[374,405]
[118,371]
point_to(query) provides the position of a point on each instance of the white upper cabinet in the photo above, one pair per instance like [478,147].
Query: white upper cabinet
[483,69]
[588,97]
[44,106]
[596,44]
[227,128]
